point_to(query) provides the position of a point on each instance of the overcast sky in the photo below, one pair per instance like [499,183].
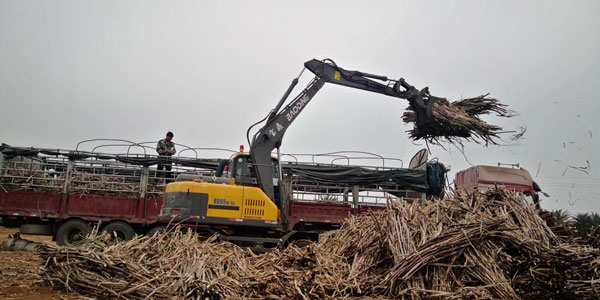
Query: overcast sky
[76,70]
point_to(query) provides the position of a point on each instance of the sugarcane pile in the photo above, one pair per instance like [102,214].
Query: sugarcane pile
[453,121]
[470,246]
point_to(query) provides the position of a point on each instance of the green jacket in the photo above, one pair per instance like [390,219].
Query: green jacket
[164,145]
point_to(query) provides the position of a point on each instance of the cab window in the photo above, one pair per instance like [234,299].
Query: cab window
[243,173]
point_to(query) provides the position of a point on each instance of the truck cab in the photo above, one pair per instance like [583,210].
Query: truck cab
[484,178]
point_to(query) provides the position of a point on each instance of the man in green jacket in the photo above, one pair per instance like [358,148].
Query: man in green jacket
[165,147]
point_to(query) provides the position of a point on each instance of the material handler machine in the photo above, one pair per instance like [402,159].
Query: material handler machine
[251,203]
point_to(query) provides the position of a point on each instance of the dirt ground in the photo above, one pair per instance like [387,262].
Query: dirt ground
[18,272]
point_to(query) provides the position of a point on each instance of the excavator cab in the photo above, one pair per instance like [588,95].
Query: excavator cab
[241,170]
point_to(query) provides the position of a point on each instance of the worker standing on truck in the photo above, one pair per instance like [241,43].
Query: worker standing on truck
[165,147]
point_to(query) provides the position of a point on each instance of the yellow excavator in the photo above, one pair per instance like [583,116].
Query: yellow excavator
[249,205]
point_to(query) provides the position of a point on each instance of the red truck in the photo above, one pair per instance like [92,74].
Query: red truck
[65,193]
[484,178]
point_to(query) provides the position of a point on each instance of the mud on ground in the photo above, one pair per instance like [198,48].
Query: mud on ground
[18,272]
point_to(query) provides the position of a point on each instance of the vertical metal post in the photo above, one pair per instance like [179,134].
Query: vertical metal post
[355,195]
[289,192]
[144,181]
[68,177]
[282,194]
[279,168]
[1,162]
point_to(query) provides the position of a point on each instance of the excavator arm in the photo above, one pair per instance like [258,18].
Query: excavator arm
[271,134]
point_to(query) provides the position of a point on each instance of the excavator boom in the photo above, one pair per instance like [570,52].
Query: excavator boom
[271,134]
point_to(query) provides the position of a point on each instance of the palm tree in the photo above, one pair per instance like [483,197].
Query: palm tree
[586,222]
[562,216]
[595,219]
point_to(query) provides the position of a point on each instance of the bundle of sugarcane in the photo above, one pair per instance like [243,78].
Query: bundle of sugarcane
[30,180]
[115,185]
[441,120]
[471,246]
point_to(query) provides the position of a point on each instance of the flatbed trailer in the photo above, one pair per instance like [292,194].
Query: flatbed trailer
[65,193]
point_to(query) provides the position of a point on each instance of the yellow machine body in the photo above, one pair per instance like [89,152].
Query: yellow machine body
[215,203]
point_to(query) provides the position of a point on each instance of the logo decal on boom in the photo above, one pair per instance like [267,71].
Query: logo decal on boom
[294,110]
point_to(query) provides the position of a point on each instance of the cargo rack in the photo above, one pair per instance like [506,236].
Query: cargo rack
[133,173]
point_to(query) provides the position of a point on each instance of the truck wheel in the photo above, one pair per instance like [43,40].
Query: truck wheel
[71,232]
[38,229]
[153,230]
[122,230]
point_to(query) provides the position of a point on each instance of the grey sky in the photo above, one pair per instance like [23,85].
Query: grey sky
[74,70]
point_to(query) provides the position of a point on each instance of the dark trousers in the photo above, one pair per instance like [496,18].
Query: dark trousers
[167,173]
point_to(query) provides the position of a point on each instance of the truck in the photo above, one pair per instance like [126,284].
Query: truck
[66,193]
[484,178]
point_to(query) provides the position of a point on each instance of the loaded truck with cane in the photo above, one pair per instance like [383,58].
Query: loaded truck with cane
[484,178]
[66,193]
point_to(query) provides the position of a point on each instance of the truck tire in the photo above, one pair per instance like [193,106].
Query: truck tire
[37,229]
[72,231]
[122,230]
[153,230]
